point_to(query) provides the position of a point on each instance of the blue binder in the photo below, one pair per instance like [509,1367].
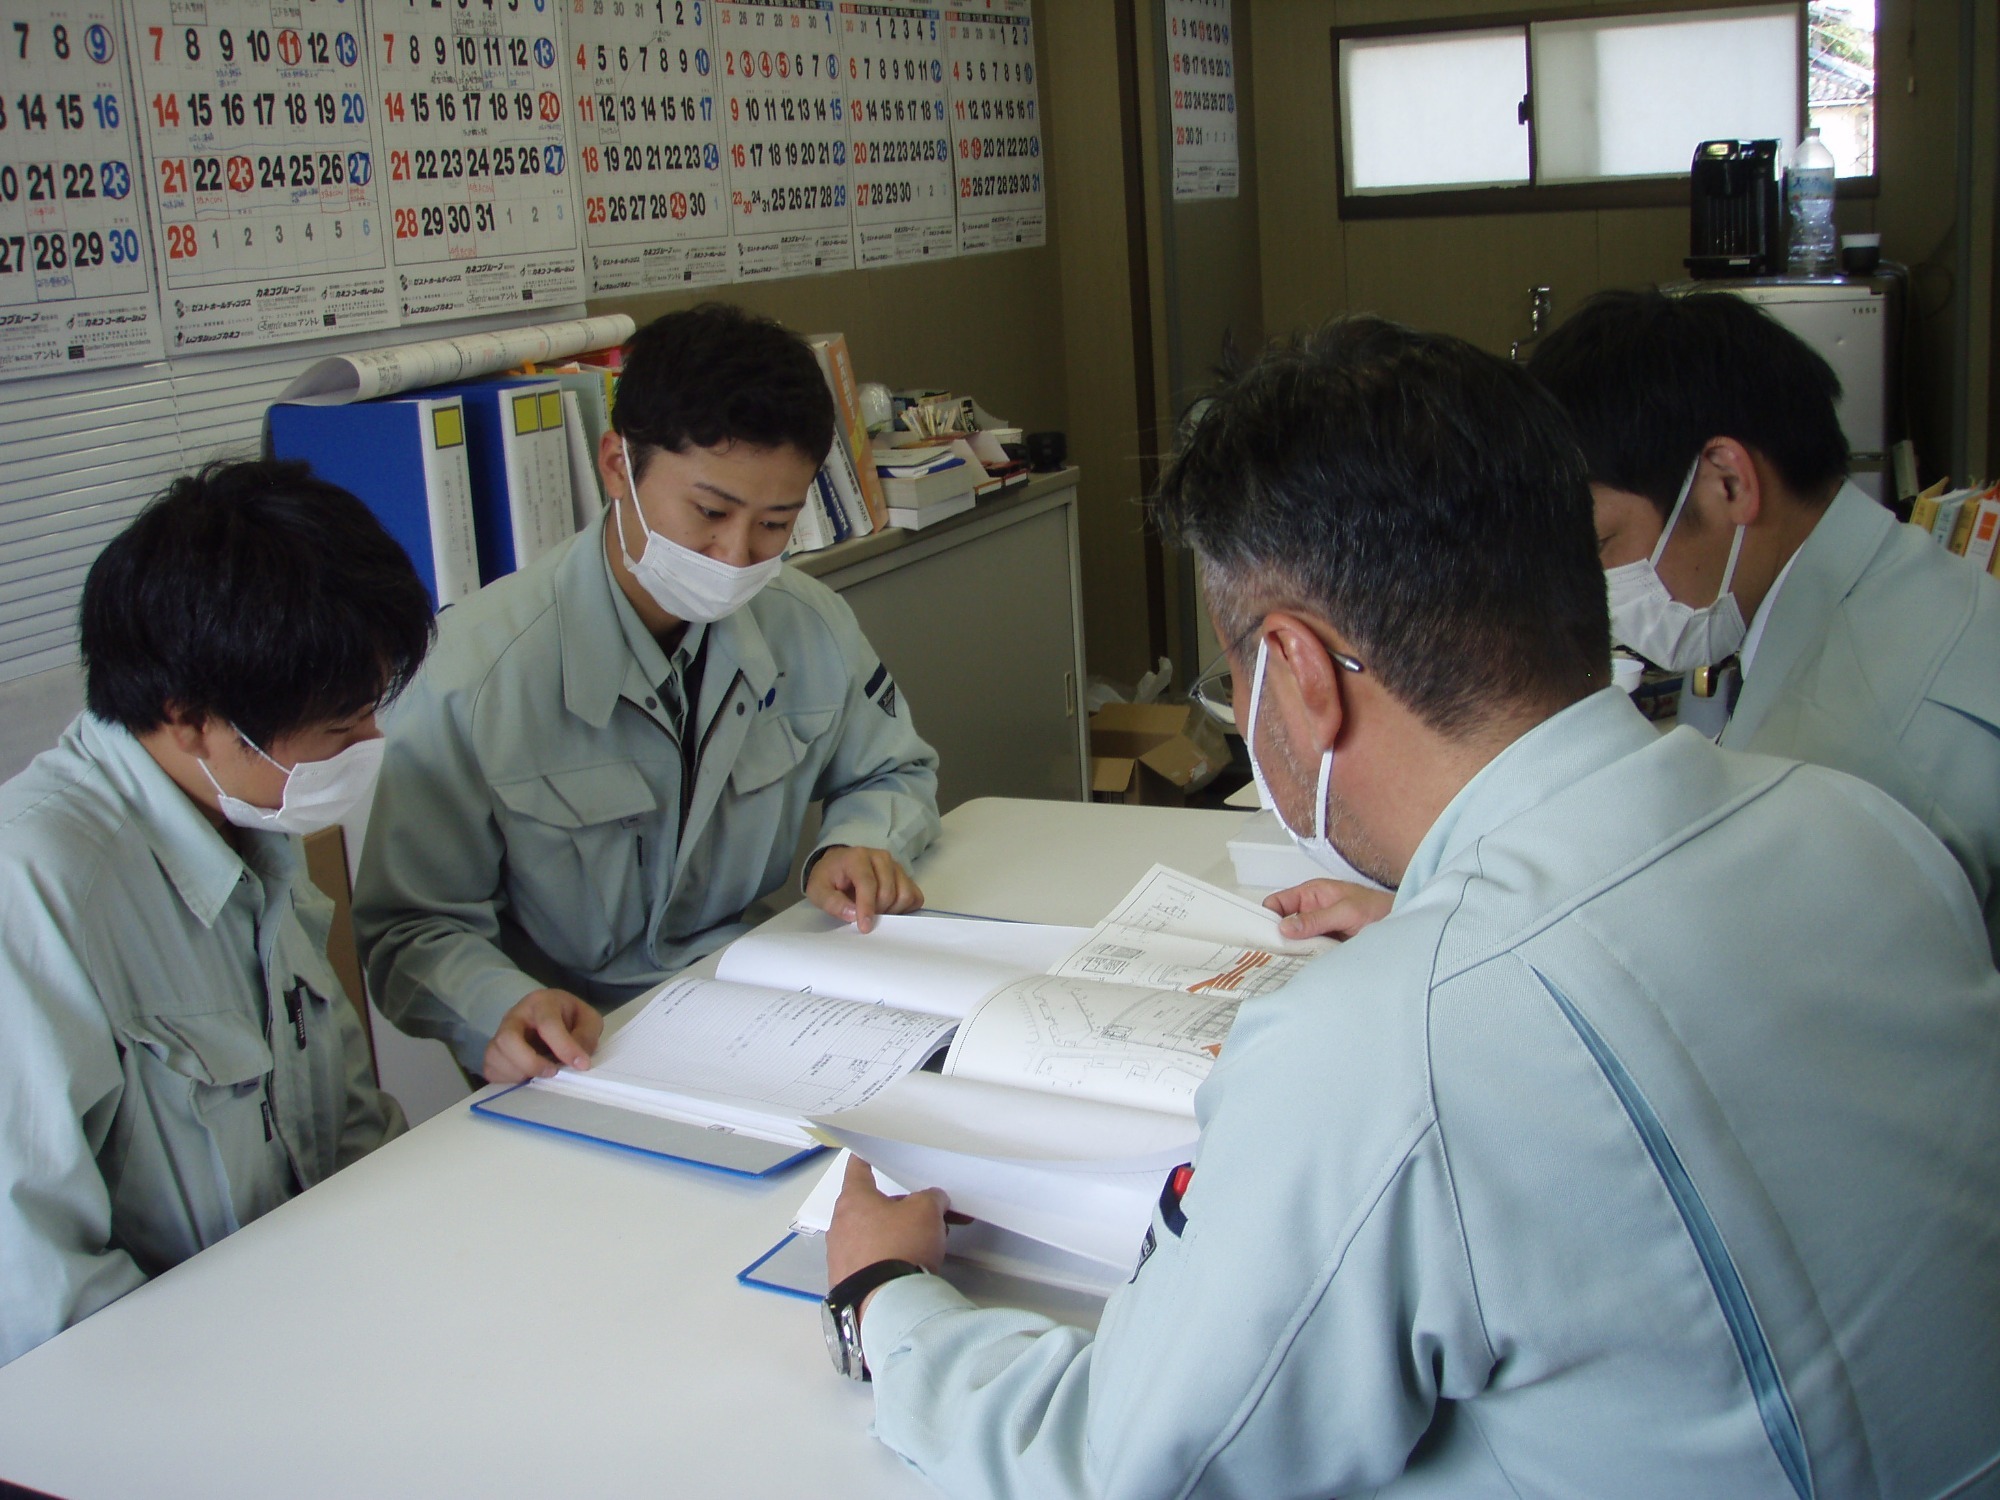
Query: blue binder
[643,1134]
[513,511]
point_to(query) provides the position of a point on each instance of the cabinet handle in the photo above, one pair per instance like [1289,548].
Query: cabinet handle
[1069,695]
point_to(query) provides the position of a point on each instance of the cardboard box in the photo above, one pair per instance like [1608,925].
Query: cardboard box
[1153,754]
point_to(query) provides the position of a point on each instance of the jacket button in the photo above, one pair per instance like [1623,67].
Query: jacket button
[739,708]
[652,703]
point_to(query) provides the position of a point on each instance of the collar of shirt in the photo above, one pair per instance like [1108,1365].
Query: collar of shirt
[1755,634]
[592,610]
[1557,753]
[655,666]
[204,870]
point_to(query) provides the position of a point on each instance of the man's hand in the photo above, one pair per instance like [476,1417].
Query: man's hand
[1328,908]
[548,1029]
[868,1225]
[857,885]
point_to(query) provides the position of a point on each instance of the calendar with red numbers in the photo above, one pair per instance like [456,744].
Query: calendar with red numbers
[996,128]
[1201,72]
[480,179]
[649,144]
[784,108]
[898,139]
[76,289]
[261,170]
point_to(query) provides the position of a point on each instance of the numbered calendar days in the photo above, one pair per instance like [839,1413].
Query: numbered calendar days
[785,124]
[261,168]
[899,146]
[996,132]
[75,285]
[482,200]
[1202,64]
[649,144]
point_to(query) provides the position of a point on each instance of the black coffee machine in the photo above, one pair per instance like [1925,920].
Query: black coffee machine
[1735,212]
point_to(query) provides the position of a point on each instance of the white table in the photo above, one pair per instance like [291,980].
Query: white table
[484,1311]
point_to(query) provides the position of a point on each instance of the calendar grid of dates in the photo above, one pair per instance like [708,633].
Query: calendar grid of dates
[178,176]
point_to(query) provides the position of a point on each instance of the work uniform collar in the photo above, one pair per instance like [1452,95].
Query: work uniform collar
[592,611]
[1553,756]
[198,861]
[1819,576]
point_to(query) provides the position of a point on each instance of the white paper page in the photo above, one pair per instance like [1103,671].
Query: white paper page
[1169,961]
[791,1054]
[1111,1042]
[941,965]
[978,1243]
[689,1106]
[1165,900]
[1100,1215]
[1059,1131]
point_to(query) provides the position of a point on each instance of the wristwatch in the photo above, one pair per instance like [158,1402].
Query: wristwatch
[840,1314]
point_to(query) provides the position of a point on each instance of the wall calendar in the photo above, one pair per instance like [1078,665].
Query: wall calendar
[184,175]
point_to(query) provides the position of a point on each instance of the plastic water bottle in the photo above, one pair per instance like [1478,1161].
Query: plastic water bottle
[1809,198]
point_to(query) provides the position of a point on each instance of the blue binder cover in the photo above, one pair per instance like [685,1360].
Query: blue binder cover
[794,1267]
[375,451]
[713,1148]
[492,491]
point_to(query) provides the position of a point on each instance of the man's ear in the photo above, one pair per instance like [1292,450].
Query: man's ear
[1311,692]
[188,732]
[1735,468]
[611,463]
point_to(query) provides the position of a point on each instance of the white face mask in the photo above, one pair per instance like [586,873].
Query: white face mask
[318,793]
[1318,848]
[1647,619]
[686,584]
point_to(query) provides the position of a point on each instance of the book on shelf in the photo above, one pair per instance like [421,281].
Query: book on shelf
[405,459]
[916,518]
[1043,1076]
[837,365]
[922,490]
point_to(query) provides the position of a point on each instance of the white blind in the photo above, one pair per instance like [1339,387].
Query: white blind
[80,453]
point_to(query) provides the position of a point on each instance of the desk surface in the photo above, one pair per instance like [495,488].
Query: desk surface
[484,1311]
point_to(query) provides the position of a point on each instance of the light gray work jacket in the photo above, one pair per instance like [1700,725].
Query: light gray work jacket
[177,1057]
[1881,658]
[536,823]
[1649,1148]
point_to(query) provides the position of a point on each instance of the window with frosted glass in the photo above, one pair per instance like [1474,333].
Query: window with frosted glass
[1437,111]
[1632,96]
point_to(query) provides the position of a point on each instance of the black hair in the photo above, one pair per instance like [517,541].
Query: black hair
[1423,497]
[715,374]
[255,593]
[1649,379]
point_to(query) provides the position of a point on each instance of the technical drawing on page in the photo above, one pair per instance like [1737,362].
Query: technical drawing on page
[1106,1041]
[1170,961]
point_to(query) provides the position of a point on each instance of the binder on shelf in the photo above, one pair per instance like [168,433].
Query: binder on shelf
[521,502]
[822,495]
[405,458]
[586,491]
[845,489]
[830,349]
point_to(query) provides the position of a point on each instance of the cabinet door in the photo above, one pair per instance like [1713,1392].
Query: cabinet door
[982,642]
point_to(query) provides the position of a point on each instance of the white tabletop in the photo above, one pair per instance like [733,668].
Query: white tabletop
[484,1311]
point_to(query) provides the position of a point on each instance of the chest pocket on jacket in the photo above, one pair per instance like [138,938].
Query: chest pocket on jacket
[775,747]
[197,1123]
[574,878]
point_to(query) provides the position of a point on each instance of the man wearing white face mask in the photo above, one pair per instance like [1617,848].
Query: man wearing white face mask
[1517,1192]
[612,753]
[1732,541]
[176,1054]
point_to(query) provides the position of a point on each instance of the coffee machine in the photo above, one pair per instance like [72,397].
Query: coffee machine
[1735,217]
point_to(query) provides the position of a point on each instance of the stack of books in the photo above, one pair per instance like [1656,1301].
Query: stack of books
[928,485]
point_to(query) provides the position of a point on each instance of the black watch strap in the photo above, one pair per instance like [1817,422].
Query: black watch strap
[853,1290]
[840,1314]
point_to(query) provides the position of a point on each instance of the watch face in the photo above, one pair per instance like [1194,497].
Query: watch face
[829,1327]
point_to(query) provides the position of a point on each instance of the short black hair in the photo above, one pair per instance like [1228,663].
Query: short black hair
[715,374]
[1648,379]
[255,593]
[1425,498]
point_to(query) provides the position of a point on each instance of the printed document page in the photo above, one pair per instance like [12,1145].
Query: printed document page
[758,1050]
[1175,932]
